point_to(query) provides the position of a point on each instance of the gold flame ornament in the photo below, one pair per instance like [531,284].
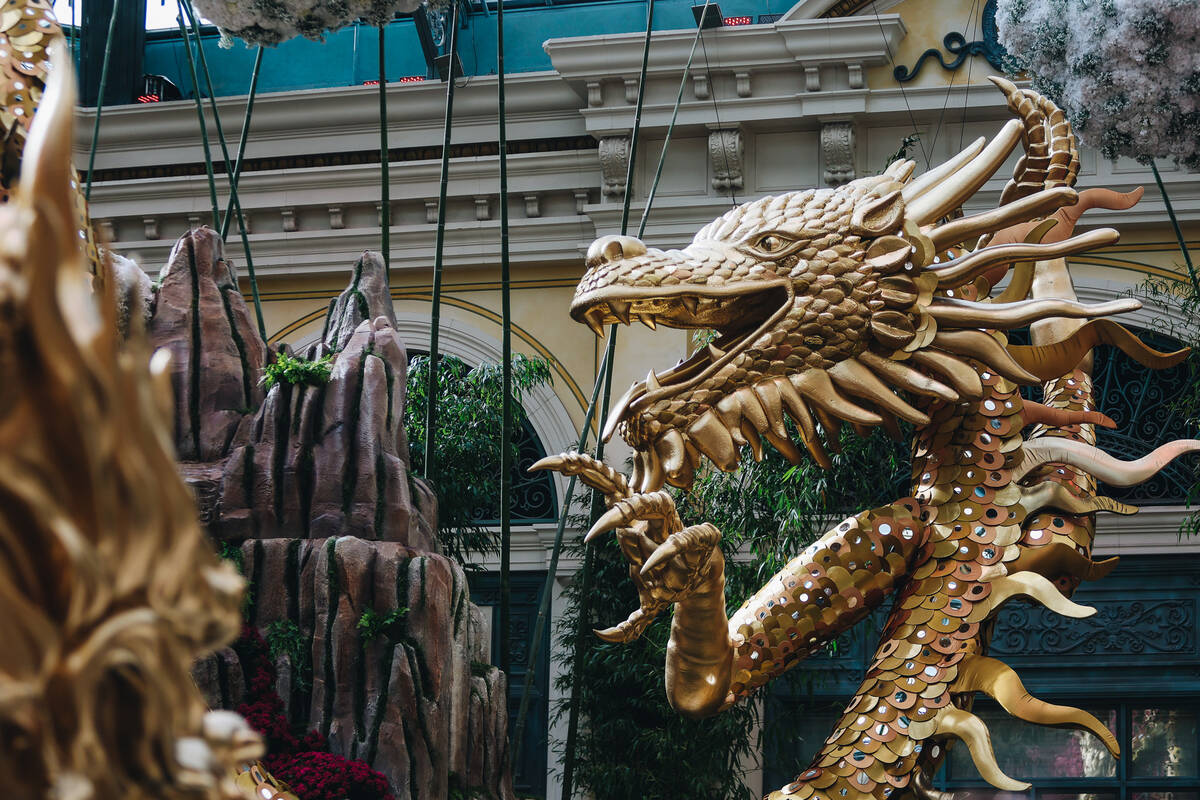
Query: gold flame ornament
[868,304]
[110,589]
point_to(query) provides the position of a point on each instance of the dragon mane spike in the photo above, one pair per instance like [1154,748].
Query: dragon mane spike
[1035,586]
[1060,558]
[857,379]
[978,673]
[1096,462]
[984,348]
[950,193]
[955,313]
[935,176]
[962,377]
[907,378]
[1023,210]
[966,269]
[1049,361]
[1050,494]
[817,387]
[973,732]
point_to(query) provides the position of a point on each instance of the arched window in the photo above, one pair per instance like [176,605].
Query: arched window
[534,497]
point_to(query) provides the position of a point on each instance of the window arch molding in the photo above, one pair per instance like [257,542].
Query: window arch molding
[542,406]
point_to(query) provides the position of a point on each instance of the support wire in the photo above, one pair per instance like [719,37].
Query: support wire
[112,25]
[186,5]
[439,247]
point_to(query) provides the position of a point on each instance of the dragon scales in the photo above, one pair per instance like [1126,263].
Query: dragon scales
[868,304]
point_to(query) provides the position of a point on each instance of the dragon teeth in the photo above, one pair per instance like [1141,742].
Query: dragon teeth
[711,437]
[690,302]
[620,310]
[648,321]
[652,381]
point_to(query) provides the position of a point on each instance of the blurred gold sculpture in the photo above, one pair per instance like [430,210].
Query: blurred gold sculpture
[869,304]
[110,590]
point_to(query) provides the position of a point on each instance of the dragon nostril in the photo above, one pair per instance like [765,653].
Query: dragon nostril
[611,249]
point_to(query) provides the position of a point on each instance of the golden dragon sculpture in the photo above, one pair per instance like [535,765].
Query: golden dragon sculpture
[869,304]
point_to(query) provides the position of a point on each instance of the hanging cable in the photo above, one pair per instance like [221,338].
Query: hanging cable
[912,119]
[112,25]
[662,156]
[194,18]
[606,375]
[236,177]
[712,92]
[967,26]
[208,165]
[506,459]
[385,178]
[438,248]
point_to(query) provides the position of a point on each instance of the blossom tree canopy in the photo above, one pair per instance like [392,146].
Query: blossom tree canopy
[1126,72]
[273,21]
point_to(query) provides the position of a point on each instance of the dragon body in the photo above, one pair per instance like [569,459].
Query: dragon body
[868,305]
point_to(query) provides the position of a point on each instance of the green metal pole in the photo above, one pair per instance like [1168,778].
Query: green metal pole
[568,780]
[585,588]
[1183,248]
[439,246]
[662,157]
[208,165]
[506,459]
[233,195]
[543,616]
[385,200]
[236,177]
[112,26]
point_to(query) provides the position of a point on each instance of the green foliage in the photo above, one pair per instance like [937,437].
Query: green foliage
[284,636]
[470,416]
[906,144]
[1183,299]
[372,625]
[290,369]
[233,554]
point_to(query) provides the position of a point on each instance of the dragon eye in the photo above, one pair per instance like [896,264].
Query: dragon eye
[770,243]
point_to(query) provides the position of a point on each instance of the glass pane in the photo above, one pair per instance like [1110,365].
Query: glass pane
[1164,742]
[1165,796]
[1028,751]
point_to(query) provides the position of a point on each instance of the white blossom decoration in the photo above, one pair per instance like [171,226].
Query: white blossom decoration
[273,21]
[1126,72]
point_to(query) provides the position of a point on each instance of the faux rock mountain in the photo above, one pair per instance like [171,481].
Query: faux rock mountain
[310,483]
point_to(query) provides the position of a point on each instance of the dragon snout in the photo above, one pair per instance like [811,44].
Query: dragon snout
[612,249]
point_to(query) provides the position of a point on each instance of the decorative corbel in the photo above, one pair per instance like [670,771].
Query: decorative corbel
[581,200]
[631,90]
[336,221]
[151,227]
[812,79]
[290,223]
[700,87]
[614,163]
[743,83]
[193,221]
[431,211]
[483,208]
[837,152]
[108,233]
[854,74]
[533,206]
[725,147]
[595,94]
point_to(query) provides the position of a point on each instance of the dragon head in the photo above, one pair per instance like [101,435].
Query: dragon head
[825,302]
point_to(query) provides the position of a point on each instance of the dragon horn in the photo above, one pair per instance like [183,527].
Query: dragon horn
[982,674]
[950,193]
[964,725]
[941,172]
[1096,462]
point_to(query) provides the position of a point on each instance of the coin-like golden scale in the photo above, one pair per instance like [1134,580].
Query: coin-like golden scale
[869,304]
